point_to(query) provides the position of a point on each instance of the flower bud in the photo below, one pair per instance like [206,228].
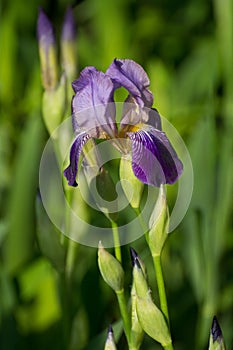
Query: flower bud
[68,45]
[110,342]
[139,279]
[111,270]
[132,187]
[47,52]
[216,338]
[137,333]
[136,260]
[152,320]
[53,105]
[158,224]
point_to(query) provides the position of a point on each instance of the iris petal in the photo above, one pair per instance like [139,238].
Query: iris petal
[93,105]
[132,77]
[154,160]
[134,115]
[71,171]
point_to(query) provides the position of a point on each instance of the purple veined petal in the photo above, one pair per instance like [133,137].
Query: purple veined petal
[71,171]
[93,105]
[154,119]
[132,77]
[45,32]
[154,160]
[69,27]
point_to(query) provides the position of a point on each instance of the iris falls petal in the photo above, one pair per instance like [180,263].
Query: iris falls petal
[71,171]
[154,160]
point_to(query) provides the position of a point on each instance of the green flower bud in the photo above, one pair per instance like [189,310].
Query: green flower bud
[139,278]
[137,333]
[216,338]
[152,320]
[136,260]
[53,105]
[158,224]
[110,342]
[132,187]
[111,270]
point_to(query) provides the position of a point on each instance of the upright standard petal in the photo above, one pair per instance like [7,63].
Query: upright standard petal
[132,77]
[71,171]
[133,115]
[154,160]
[93,105]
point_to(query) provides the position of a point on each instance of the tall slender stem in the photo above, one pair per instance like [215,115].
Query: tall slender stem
[161,286]
[124,314]
[142,222]
[116,240]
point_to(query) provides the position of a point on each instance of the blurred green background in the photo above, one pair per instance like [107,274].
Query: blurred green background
[186,47]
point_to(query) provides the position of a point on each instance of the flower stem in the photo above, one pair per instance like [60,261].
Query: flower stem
[124,314]
[143,224]
[161,287]
[168,347]
[116,240]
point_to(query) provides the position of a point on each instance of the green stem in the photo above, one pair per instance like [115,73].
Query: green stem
[70,259]
[161,286]
[116,240]
[143,224]
[168,347]
[124,314]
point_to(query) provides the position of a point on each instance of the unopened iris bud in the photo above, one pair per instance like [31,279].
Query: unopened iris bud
[136,335]
[152,321]
[216,338]
[150,317]
[53,105]
[136,328]
[132,187]
[47,52]
[68,45]
[111,270]
[110,342]
[135,259]
[139,278]
[158,224]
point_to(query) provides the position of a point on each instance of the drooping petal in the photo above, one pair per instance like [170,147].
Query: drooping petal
[71,171]
[154,160]
[93,105]
[132,77]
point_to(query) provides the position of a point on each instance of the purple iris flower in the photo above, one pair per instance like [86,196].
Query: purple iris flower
[154,160]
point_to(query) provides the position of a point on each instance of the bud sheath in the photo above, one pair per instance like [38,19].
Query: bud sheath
[111,270]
